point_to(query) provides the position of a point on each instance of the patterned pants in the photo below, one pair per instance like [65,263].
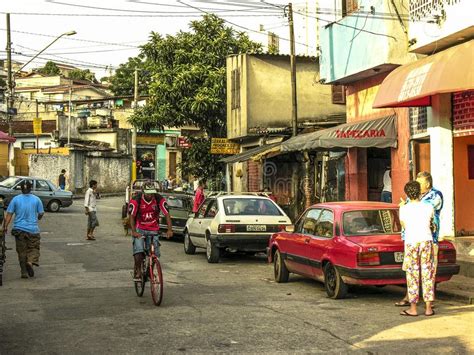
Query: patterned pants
[27,246]
[419,260]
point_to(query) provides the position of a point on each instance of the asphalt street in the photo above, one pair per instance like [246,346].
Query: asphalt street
[82,300]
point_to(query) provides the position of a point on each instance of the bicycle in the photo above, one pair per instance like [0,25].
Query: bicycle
[3,254]
[151,271]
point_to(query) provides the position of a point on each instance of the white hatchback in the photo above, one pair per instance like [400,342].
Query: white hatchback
[234,222]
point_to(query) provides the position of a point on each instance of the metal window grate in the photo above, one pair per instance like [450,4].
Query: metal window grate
[420,9]
[418,120]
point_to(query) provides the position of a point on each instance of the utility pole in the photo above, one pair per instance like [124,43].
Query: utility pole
[11,99]
[294,102]
[135,106]
[69,116]
[37,136]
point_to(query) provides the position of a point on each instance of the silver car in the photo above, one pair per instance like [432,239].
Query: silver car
[52,197]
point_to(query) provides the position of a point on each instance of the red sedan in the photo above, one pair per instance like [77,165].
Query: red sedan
[349,243]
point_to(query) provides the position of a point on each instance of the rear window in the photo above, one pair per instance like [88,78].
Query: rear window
[371,222]
[176,202]
[250,207]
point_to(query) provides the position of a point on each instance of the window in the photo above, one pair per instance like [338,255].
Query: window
[42,185]
[371,222]
[235,89]
[309,224]
[250,207]
[349,6]
[338,93]
[325,224]
[203,208]
[18,187]
[28,145]
[212,210]
[470,161]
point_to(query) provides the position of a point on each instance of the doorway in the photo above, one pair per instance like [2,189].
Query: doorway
[378,159]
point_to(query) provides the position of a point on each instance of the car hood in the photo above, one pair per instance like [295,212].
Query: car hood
[392,242]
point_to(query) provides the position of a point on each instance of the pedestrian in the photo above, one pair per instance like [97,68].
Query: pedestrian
[435,198]
[199,196]
[416,218]
[90,204]
[387,186]
[62,179]
[28,210]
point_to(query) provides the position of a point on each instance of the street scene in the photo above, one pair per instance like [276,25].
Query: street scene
[194,176]
[82,300]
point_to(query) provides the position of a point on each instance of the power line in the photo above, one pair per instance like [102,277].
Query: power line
[177,15]
[95,66]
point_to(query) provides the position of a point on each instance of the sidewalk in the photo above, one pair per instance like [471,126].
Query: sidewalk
[102,195]
[459,287]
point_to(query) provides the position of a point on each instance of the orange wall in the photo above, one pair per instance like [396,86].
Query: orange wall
[463,187]
[359,100]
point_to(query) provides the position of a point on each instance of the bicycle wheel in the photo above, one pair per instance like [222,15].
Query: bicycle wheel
[156,281]
[140,285]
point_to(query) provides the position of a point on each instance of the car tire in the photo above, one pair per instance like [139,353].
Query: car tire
[333,283]
[189,247]
[212,251]
[54,206]
[279,268]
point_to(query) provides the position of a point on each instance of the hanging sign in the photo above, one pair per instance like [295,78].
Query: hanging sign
[37,129]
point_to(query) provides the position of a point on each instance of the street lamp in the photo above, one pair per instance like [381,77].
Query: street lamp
[70,33]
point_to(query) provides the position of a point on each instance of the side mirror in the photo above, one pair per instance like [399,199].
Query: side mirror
[290,228]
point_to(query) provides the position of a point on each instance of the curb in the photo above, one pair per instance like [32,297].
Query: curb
[448,295]
[107,194]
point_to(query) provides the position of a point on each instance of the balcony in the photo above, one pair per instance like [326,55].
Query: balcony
[438,24]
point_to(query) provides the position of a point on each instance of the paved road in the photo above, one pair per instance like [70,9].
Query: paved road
[82,301]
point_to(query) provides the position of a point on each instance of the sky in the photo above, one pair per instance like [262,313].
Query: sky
[111,31]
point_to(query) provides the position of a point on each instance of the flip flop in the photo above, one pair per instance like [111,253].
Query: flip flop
[402,304]
[406,314]
[431,314]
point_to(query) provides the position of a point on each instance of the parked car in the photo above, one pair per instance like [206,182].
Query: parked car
[233,222]
[180,206]
[133,189]
[349,243]
[52,197]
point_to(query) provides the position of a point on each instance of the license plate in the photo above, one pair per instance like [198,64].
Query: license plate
[256,228]
[398,257]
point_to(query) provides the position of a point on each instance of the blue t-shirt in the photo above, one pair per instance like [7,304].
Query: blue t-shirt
[26,208]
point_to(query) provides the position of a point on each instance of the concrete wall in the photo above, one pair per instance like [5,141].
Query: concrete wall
[266,94]
[112,172]
[346,51]
[48,166]
[463,186]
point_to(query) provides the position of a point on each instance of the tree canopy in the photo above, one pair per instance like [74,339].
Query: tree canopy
[123,82]
[50,68]
[79,74]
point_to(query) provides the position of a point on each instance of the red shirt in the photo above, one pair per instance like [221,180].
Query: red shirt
[198,199]
[149,216]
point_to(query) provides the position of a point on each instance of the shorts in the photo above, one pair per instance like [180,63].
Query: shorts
[140,245]
[92,220]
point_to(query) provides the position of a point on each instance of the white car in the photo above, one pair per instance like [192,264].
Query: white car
[233,222]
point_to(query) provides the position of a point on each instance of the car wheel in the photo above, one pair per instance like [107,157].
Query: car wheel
[189,247]
[212,252]
[335,287]
[281,272]
[54,206]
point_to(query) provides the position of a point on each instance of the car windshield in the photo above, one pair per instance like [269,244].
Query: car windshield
[174,202]
[9,182]
[250,207]
[371,222]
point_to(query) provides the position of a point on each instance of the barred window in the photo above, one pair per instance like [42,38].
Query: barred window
[235,88]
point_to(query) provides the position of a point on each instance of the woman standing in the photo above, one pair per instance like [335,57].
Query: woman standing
[416,218]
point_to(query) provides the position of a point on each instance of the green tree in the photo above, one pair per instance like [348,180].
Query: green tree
[79,74]
[50,68]
[123,82]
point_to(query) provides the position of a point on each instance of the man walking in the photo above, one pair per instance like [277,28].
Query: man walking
[28,210]
[62,180]
[90,204]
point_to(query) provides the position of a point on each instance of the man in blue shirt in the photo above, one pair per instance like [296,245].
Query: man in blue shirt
[28,209]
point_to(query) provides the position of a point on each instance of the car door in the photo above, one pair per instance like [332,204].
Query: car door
[321,241]
[42,189]
[196,231]
[298,254]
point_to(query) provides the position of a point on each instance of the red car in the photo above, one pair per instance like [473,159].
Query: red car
[348,243]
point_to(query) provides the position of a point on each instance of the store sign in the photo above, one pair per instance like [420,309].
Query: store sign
[184,143]
[37,127]
[224,146]
[150,140]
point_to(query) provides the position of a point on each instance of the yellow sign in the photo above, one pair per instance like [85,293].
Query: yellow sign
[37,129]
[150,140]
[224,146]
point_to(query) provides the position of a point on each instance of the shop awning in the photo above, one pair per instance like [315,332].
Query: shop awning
[251,153]
[5,138]
[413,84]
[378,133]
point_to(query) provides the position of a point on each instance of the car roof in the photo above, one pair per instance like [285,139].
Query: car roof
[355,205]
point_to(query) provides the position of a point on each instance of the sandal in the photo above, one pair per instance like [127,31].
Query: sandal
[90,237]
[406,314]
[431,314]
[402,303]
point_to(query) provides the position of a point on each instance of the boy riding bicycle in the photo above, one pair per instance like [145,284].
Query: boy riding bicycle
[144,212]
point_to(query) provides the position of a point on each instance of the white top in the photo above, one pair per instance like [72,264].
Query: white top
[90,200]
[416,216]
[387,181]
